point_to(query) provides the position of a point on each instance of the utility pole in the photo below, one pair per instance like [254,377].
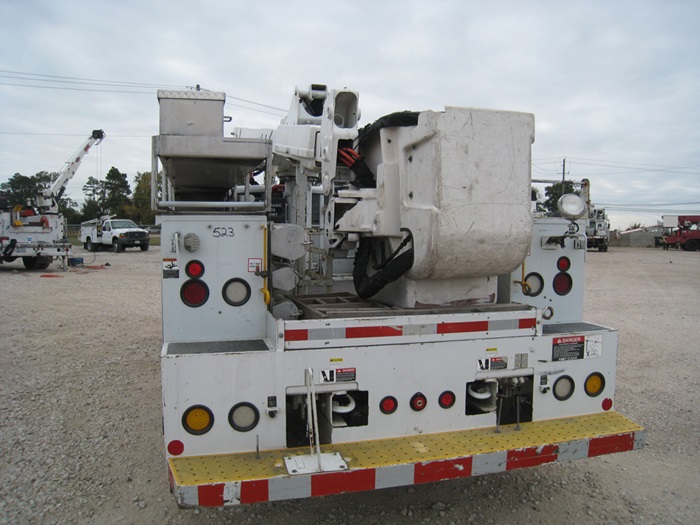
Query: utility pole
[563,173]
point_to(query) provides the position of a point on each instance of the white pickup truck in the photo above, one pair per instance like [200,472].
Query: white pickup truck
[117,233]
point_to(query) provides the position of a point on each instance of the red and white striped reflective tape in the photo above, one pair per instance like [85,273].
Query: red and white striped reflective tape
[328,483]
[362,332]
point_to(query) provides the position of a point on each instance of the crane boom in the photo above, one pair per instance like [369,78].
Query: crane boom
[48,199]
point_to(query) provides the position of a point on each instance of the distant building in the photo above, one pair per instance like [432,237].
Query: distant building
[647,237]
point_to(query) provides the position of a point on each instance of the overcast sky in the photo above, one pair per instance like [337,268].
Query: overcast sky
[614,86]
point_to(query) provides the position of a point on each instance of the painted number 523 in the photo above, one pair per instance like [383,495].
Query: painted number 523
[222,231]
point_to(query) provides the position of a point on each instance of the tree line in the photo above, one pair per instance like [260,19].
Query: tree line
[110,196]
[114,196]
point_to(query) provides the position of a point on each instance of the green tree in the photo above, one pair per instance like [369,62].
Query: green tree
[20,189]
[117,190]
[553,193]
[90,210]
[94,190]
[23,190]
[142,199]
[69,209]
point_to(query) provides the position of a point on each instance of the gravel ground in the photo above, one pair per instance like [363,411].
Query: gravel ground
[80,438]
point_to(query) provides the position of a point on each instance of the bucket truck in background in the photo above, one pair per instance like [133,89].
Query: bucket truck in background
[36,232]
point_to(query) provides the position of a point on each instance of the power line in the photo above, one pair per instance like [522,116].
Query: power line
[114,82]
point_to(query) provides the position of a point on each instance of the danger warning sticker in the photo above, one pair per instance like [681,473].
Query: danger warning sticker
[338,375]
[171,269]
[493,363]
[568,348]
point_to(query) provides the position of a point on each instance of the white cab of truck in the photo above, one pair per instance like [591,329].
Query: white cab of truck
[117,233]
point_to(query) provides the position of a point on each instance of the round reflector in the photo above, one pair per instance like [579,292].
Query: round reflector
[534,283]
[607,404]
[194,293]
[562,283]
[194,269]
[236,291]
[563,388]
[198,420]
[418,402]
[594,385]
[563,264]
[388,405]
[446,399]
[176,447]
[244,416]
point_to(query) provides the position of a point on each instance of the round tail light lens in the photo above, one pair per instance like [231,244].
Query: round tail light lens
[194,293]
[446,399]
[594,385]
[418,402]
[563,388]
[563,264]
[244,416]
[194,269]
[563,283]
[198,420]
[236,292]
[388,405]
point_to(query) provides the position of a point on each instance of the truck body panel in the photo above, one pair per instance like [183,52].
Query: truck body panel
[399,319]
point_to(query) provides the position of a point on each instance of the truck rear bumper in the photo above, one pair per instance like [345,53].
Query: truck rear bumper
[234,479]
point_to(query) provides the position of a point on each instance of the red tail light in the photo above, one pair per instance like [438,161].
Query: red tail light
[388,405]
[562,283]
[446,399]
[563,264]
[194,269]
[194,293]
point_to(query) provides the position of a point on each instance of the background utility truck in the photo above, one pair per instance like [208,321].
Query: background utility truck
[683,231]
[598,226]
[36,231]
[380,311]
[119,234]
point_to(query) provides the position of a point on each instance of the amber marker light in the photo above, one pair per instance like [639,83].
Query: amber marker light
[198,420]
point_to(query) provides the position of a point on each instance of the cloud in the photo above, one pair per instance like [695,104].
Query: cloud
[611,81]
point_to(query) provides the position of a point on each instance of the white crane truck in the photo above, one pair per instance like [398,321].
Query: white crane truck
[381,311]
[37,232]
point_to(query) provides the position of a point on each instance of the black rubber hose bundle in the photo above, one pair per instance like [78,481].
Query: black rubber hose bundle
[389,270]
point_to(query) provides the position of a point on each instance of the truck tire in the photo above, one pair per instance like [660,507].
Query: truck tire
[144,247]
[36,263]
[691,245]
[89,246]
[116,246]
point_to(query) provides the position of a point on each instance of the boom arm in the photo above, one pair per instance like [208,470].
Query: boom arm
[49,198]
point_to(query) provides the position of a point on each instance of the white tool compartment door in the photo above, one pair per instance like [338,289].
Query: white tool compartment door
[210,288]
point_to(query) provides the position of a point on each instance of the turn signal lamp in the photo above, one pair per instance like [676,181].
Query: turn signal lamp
[563,283]
[194,293]
[198,420]
[594,385]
